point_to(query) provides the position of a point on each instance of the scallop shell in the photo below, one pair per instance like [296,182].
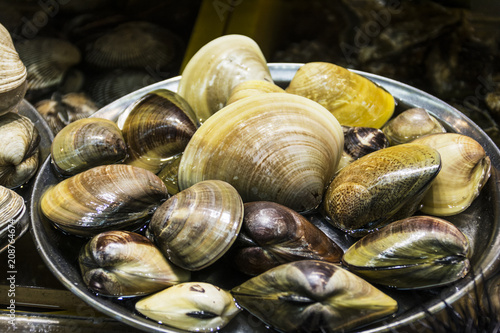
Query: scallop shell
[271,147]
[466,169]
[213,72]
[103,198]
[195,227]
[351,98]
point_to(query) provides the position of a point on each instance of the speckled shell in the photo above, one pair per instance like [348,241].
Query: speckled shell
[411,124]
[416,252]
[198,225]
[312,296]
[352,99]
[19,152]
[380,187]
[112,264]
[103,198]
[191,306]
[271,147]
[466,169]
[213,72]
[87,143]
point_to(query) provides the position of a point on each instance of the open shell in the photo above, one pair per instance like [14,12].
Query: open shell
[271,147]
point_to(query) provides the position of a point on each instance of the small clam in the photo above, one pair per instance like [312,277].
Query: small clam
[19,151]
[351,98]
[198,225]
[158,126]
[12,74]
[251,88]
[213,72]
[112,264]
[360,141]
[411,124]
[12,208]
[169,174]
[416,252]
[466,169]
[103,198]
[312,296]
[87,143]
[271,147]
[273,234]
[191,306]
[380,187]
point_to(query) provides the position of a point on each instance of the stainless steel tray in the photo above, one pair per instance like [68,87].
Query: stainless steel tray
[480,223]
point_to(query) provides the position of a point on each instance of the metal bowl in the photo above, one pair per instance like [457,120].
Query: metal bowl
[481,223]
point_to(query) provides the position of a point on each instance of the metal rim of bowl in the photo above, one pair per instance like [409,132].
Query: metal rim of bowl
[283,72]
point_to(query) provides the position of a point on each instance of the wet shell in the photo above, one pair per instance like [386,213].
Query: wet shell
[112,264]
[416,252]
[213,72]
[19,152]
[466,163]
[195,227]
[12,208]
[312,296]
[158,127]
[271,147]
[12,74]
[273,234]
[103,198]
[351,98]
[87,143]
[380,187]
[169,174]
[191,306]
[251,88]
[411,124]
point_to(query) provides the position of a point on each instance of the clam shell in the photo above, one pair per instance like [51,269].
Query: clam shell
[271,147]
[19,151]
[411,124]
[465,162]
[213,72]
[191,306]
[312,296]
[195,227]
[251,88]
[103,198]
[12,208]
[351,98]
[112,264]
[12,74]
[273,234]
[380,187]
[158,127]
[87,143]
[416,252]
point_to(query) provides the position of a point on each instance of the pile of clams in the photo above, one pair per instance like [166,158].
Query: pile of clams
[231,168]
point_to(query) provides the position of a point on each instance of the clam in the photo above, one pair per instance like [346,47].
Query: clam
[19,151]
[251,88]
[195,227]
[273,234]
[465,163]
[103,198]
[381,187]
[191,306]
[158,127]
[112,264]
[351,98]
[61,110]
[169,174]
[87,143]
[312,296]
[215,69]
[12,208]
[411,124]
[271,147]
[416,252]
[360,141]
[12,74]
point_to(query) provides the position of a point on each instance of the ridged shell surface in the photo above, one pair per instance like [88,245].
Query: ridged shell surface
[12,207]
[271,147]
